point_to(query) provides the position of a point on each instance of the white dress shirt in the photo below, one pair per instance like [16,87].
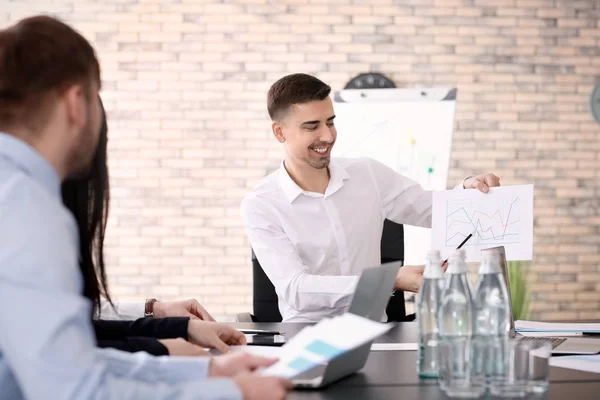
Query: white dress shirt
[312,246]
[124,310]
[47,344]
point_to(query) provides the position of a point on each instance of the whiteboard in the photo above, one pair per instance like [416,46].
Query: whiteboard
[409,130]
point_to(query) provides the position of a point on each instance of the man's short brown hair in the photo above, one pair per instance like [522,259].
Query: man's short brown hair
[294,89]
[39,57]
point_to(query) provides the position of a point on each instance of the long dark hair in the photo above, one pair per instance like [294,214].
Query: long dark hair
[88,199]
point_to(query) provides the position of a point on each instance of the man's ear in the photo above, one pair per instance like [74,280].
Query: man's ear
[277,129]
[75,106]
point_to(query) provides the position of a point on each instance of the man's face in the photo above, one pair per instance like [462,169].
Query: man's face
[308,132]
[88,135]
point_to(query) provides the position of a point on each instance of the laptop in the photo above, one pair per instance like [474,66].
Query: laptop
[560,345]
[370,299]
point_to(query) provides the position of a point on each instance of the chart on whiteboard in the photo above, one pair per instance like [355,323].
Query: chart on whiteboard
[414,139]
[503,217]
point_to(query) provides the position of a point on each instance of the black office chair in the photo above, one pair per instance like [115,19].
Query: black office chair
[265,303]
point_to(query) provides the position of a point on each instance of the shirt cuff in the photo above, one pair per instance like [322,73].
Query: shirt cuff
[464,180]
[130,310]
[462,184]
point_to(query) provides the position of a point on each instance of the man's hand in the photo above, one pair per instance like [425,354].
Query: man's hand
[262,387]
[409,278]
[253,387]
[181,347]
[185,308]
[238,363]
[483,182]
[214,335]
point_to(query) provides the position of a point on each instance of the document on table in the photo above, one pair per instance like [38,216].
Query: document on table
[580,363]
[318,344]
[549,334]
[565,327]
[275,352]
[502,217]
[394,347]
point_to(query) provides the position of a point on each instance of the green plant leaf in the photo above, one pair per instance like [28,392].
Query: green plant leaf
[519,289]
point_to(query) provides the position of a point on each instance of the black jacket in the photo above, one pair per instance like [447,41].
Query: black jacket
[141,334]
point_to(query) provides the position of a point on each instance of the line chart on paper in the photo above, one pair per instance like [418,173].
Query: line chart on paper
[497,225]
[502,217]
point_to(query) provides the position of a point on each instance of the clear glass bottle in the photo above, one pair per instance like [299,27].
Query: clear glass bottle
[458,378]
[428,302]
[492,317]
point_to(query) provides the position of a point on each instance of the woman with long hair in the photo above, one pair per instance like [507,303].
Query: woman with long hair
[88,199]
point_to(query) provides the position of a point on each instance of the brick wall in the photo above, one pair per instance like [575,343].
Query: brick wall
[185,85]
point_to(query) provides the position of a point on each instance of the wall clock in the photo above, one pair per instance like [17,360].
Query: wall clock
[370,80]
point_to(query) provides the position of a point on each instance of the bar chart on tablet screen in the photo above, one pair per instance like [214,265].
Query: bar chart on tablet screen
[496,225]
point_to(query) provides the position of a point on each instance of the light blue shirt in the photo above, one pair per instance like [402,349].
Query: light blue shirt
[47,345]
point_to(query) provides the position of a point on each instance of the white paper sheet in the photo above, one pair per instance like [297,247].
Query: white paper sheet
[502,217]
[549,334]
[275,352]
[317,344]
[394,346]
[580,363]
[534,326]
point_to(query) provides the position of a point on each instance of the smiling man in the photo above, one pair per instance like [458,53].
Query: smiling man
[316,223]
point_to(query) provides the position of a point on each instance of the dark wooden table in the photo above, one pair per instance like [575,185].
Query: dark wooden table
[392,374]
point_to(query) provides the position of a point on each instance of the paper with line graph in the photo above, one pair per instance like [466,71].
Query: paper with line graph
[502,217]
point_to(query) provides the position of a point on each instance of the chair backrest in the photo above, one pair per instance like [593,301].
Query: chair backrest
[392,249]
[265,302]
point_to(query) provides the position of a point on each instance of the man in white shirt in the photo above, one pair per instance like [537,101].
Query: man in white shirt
[316,223]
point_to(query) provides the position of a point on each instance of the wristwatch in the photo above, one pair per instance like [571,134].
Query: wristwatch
[149,308]
[464,180]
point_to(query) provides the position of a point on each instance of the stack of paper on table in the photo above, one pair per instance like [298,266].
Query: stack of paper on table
[318,344]
[394,346]
[558,328]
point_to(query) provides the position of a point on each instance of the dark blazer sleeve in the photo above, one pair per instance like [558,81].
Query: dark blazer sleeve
[158,328]
[134,344]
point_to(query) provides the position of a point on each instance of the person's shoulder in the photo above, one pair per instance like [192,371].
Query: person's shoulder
[18,190]
[26,202]
[38,235]
[356,165]
[267,188]
[353,162]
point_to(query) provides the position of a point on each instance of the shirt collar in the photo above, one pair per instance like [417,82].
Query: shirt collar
[337,176]
[287,184]
[29,160]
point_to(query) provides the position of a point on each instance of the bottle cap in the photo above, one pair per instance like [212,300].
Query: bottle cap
[434,255]
[490,262]
[433,269]
[457,264]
